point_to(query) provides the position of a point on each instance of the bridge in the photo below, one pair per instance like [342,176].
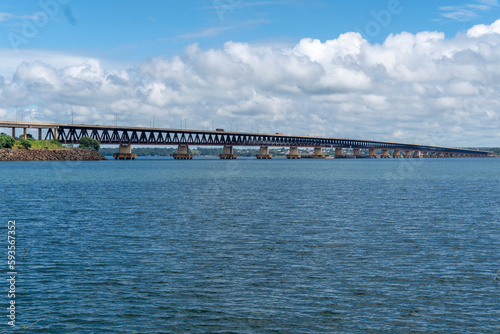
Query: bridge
[125,137]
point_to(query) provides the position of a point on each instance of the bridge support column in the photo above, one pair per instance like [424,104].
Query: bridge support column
[318,153]
[125,153]
[417,154]
[227,153]
[371,153]
[433,155]
[447,155]
[40,134]
[397,154]
[426,154]
[407,154]
[441,155]
[293,153]
[339,153]
[183,153]
[356,152]
[25,133]
[56,133]
[385,154]
[14,132]
[264,153]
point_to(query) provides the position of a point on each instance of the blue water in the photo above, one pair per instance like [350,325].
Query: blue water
[252,246]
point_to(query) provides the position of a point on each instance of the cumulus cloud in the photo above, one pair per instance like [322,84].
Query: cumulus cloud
[420,87]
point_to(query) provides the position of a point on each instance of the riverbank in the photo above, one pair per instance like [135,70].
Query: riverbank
[7,154]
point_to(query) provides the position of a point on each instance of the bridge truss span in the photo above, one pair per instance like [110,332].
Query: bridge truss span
[71,134]
[123,136]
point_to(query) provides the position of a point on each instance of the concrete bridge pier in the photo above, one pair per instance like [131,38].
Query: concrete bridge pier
[417,154]
[293,153]
[40,134]
[125,152]
[407,154]
[385,154]
[14,132]
[356,152]
[397,154]
[371,153]
[264,153]
[426,154]
[227,153]
[183,153]
[339,153]
[433,155]
[318,153]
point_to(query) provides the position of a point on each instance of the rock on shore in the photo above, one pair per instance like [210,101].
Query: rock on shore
[42,154]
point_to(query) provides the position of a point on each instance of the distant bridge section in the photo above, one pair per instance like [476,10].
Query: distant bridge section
[127,136]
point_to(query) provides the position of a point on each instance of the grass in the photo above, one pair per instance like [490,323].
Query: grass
[42,144]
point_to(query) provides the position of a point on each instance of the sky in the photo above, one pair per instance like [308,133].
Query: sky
[417,71]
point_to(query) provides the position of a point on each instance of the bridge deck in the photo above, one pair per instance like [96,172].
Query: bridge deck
[105,134]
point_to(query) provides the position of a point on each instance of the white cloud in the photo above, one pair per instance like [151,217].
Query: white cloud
[467,12]
[413,87]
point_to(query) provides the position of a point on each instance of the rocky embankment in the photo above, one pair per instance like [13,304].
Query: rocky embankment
[42,154]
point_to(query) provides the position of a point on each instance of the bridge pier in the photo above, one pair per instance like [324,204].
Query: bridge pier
[183,153]
[318,153]
[339,152]
[14,132]
[385,154]
[407,154]
[293,153]
[227,153]
[417,154]
[39,134]
[371,153]
[397,154]
[426,154]
[264,153]
[356,152]
[125,153]
[433,155]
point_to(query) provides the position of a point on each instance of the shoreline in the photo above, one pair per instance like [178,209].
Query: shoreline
[8,154]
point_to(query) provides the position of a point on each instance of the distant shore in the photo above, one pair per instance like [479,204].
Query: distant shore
[8,154]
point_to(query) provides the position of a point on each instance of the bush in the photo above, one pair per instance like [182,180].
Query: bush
[6,141]
[25,143]
[87,142]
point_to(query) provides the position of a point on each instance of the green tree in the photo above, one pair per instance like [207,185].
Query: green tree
[6,141]
[87,142]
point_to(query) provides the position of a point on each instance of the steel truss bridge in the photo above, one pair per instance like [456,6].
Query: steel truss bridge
[122,135]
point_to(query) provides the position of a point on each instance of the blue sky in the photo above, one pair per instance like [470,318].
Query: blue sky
[142,29]
[407,70]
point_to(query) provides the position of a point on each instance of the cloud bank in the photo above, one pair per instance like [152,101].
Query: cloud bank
[420,87]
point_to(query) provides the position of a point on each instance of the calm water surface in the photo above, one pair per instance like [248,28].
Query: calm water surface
[251,246]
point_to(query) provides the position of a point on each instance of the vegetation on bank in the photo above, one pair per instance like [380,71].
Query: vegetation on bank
[206,151]
[241,152]
[495,150]
[7,141]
